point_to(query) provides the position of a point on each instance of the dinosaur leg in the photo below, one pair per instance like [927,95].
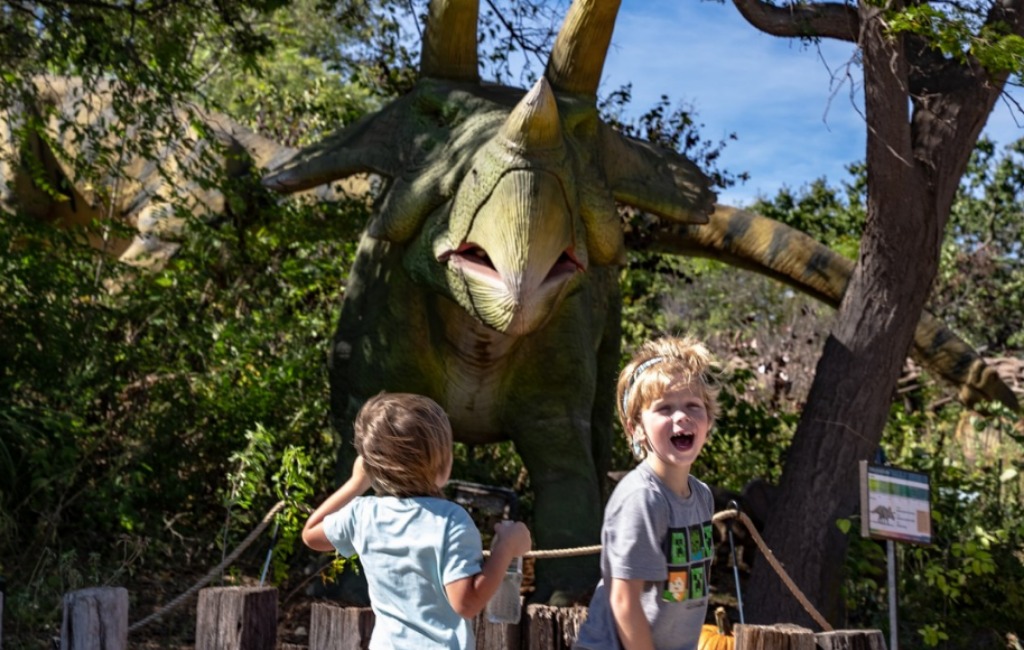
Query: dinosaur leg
[567,510]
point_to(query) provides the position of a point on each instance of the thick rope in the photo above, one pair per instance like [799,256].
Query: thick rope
[558,553]
[214,572]
[767,552]
[718,517]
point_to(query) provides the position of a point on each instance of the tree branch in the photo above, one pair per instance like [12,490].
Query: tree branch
[815,20]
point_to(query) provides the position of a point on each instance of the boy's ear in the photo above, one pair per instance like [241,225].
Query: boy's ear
[636,429]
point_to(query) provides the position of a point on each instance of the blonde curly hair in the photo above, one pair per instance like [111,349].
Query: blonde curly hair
[660,365]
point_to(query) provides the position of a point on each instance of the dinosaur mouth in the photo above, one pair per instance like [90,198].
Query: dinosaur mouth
[471,258]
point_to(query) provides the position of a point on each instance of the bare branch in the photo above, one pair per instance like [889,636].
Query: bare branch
[813,20]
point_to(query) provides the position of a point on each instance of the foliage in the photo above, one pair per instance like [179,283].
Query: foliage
[963,590]
[980,288]
[959,31]
[125,415]
[145,44]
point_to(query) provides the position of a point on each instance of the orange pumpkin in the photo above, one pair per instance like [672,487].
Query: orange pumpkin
[718,636]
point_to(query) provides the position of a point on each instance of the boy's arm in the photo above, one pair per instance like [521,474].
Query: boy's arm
[469,596]
[313,533]
[630,620]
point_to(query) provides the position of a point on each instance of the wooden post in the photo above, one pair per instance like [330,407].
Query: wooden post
[496,636]
[340,628]
[95,619]
[774,637]
[552,628]
[237,618]
[851,640]
[793,637]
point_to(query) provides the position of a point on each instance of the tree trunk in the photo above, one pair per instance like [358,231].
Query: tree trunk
[849,401]
[914,162]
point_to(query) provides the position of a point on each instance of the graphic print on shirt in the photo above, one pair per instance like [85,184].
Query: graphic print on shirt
[688,559]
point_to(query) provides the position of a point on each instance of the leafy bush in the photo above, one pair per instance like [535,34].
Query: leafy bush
[162,411]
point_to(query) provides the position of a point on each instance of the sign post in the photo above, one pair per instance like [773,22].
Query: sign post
[895,505]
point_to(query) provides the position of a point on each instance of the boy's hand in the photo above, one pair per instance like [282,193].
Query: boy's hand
[468,596]
[313,533]
[512,537]
[359,476]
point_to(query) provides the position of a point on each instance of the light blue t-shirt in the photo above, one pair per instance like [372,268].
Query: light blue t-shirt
[650,533]
[410,548]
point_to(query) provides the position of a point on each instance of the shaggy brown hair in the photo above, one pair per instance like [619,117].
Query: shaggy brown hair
[406,443]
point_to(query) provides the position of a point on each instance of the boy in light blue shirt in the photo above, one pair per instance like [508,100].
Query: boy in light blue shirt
[422,554]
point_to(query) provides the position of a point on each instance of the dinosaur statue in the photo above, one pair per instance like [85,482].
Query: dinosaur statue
[146,195]
[487,277]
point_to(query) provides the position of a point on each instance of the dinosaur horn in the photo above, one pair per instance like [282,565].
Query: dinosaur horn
[449,44]
[534,125]
[577,58]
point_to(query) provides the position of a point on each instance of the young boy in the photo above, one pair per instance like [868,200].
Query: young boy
[422,554]
[656,539]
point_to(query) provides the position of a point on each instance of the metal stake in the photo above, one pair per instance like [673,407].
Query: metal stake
[735,567]
[890,551]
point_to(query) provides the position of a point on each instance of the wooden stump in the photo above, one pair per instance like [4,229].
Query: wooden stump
[774,637]
[95,619]
[794,637]
[237,618]
[851,640]
[552,628]
[496,636]
[340,628]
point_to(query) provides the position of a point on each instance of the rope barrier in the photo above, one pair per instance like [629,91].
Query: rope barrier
[212,573]
[718,517]
[548,554]
[775,564]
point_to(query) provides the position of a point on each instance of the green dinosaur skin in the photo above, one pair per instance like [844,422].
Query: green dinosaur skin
[394,336]
[518,337]
[748,240]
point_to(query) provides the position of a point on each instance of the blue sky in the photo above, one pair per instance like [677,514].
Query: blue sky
[793,107]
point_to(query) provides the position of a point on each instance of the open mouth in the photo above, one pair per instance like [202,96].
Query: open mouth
[470,256]
[682,441]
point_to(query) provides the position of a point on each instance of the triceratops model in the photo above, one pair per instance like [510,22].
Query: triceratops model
[488,275]
[487,278]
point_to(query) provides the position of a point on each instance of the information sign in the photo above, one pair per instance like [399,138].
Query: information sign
[895,504]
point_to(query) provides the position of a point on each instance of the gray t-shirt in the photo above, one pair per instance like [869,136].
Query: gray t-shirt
[650,533]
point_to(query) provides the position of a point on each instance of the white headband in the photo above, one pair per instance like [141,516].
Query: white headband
[632,380]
